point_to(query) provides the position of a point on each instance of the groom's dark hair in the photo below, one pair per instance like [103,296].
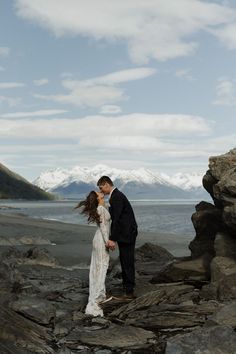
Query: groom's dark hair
[104,179]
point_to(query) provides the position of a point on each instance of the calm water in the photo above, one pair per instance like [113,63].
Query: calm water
[153,216]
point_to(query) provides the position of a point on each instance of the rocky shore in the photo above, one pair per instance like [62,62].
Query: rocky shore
[184,304]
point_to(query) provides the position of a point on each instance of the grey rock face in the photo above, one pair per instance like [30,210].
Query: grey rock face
[225,315]
[223,272]
[225,245]
[212,340]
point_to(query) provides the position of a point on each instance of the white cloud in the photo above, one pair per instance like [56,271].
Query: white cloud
[225,92]
[110,109]
[89,130]
[159,29]
[40,113]
[227,35]
[184,74]
[98,91]
[42,149]
[95,96]
[122,76]
[4,51]
[9,85]
[41,82]
[130,141]
[10,101]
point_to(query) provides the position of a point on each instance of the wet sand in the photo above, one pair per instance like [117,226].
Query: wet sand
[70,243]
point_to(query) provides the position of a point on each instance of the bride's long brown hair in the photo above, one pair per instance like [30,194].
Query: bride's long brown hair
[89,207]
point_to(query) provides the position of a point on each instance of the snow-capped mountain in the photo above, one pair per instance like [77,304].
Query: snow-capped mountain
[139,184]
[186,181]
[53,178]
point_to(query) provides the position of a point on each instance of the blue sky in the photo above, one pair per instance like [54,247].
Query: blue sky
[129,84]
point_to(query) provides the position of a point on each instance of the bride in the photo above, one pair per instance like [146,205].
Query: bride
[94,208]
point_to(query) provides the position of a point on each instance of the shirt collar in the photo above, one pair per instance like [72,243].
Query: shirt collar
[111,192]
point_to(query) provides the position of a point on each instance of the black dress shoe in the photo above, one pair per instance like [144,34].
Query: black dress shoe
[128,297]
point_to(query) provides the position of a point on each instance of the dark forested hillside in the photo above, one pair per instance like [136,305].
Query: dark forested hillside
[13,186]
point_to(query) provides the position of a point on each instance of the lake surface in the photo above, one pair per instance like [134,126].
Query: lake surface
[162,216]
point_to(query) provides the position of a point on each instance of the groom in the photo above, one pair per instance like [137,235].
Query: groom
[124,231]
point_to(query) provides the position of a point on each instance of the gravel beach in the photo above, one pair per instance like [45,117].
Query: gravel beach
[70,243]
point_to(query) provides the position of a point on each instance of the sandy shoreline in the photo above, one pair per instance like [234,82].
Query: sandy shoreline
[73,242]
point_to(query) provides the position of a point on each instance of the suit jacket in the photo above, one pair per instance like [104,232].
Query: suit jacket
[123,226]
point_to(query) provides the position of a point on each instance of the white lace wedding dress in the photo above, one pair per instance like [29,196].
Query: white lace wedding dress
[99,264]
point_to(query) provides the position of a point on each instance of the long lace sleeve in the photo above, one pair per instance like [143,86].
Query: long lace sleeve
[101,211]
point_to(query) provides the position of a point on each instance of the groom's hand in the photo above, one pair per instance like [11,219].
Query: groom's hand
[111,245]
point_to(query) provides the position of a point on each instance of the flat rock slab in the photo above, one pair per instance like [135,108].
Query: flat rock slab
[48,279]
[34,308]
[114,337]
[212,340]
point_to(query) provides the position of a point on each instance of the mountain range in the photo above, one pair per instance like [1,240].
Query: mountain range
[13,186]
[136,184]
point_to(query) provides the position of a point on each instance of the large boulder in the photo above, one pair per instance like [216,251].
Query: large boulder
[207,222]
[223,185]
[219,165]
[150,258]
[215,227]
[193,270]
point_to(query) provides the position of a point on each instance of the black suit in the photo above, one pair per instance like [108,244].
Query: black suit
[124,231]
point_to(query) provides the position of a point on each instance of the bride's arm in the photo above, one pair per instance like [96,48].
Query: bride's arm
[102,225]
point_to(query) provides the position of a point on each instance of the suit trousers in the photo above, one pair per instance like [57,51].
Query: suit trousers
[127,260]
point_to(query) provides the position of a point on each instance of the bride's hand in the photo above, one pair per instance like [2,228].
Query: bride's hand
[111,245]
